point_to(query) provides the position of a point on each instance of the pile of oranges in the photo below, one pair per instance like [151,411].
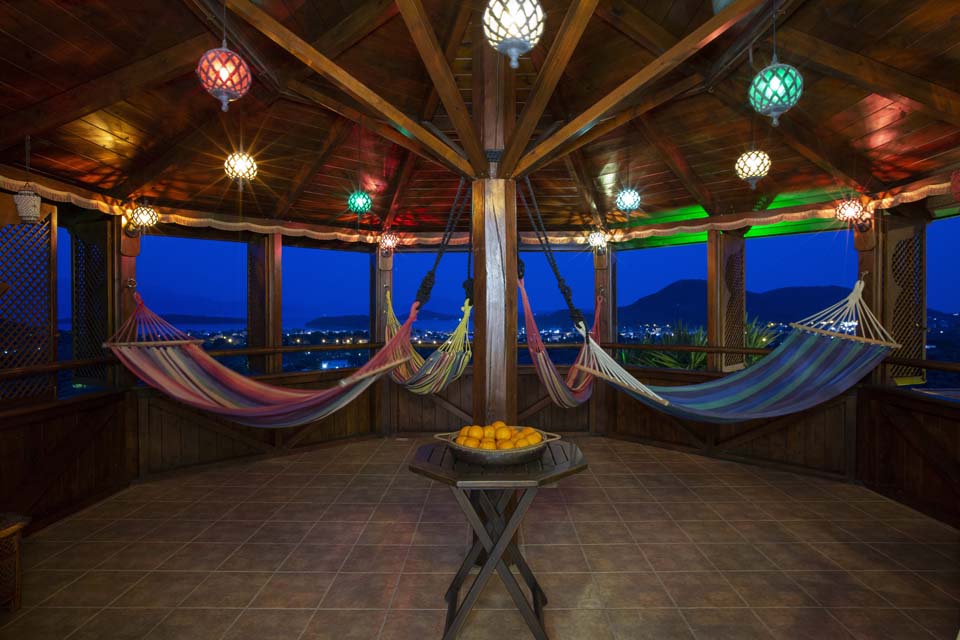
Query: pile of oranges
[498,436]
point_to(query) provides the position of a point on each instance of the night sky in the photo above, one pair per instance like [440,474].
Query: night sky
[202,277]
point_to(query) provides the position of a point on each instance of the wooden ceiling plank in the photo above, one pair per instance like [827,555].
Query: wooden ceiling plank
[566,40]
[435,61]
[103,91]
[586,187]
[670,155]
[636,25]
[662,65]
[403,180]
[458,31]
[933,99]
[349,84]
[338,132]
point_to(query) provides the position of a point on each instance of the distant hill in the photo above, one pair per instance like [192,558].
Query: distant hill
[348,322]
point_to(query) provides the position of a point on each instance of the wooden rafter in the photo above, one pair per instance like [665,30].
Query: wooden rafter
[636,25]
[933,99]
[586,187]
[435,61]
[571,29]
[662,65]
[103,91]
[335,136]
[672,157]
[400,187]
[349,84]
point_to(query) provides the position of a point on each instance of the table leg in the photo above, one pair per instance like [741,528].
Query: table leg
[496,546]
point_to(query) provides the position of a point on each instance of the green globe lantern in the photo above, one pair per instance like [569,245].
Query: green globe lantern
[360,202]
[775,90]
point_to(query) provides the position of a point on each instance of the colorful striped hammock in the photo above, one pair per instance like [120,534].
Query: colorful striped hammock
[173,362]
[577,387]
[443,366]
[816,362]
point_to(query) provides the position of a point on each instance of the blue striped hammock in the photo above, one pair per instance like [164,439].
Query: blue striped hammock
[816,362]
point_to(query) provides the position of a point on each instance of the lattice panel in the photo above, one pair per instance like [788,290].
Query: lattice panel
[90,329]
[909,308]
[734,324]
[25,335]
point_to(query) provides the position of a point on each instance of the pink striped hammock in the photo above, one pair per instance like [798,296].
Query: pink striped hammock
[576,388]
[173,362]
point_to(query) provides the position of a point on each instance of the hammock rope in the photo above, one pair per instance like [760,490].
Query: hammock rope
[824,355]
[577,387]
[447,363]
[173,362]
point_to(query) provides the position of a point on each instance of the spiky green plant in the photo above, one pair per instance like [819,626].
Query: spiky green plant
[758,336]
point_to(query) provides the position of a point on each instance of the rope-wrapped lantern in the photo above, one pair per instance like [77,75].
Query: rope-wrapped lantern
[752,166]
[359,202]
[597,240]
[628,200]
[388,241]
[240,166]
[224,74]
[144,216]
[775,90]
[851,210]
[513,27]
[28,204]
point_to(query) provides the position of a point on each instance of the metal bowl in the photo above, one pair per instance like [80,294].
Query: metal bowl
[496,458]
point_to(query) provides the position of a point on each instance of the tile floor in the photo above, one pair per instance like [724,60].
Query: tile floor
[346,544]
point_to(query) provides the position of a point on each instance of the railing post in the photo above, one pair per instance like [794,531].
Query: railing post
[726,297]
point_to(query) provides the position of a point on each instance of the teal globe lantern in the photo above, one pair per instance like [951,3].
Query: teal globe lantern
[628,200]
[359,202]
[775,90]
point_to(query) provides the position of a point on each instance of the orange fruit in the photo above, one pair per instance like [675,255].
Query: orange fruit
[528,430]
[476,432]
[534,438]
[473,443]
[465,431]
[504,433]
[505,444]
[461,439]
[499,423]
[520,443]
[489,433]
[488,444]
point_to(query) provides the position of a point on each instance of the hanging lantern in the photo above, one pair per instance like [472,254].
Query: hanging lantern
[851,210]
[241,166]
[388,241]
[513,27]
[775,90]
[628,200]
[752,166]
[359,202]
[597,240]
[28,204]
[144,216]
[224,74]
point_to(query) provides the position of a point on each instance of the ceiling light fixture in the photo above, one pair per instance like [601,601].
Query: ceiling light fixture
[513,27]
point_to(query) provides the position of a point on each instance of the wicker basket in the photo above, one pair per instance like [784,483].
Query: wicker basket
[10,529]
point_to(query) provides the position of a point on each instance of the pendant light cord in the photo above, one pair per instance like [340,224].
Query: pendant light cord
[26,153]
[223,21]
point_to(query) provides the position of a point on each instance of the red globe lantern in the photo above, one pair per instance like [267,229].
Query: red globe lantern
[224,74]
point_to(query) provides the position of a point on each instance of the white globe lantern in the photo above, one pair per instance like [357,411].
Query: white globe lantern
[240,166]
[27,201]
[628,200]
[597,240]
[851,210]
[752,166]
[513,27]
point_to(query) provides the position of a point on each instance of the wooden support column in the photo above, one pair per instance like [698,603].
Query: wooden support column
[381,282]
[494,244]
[264,277]
[726,297]
[603,400]
[892,254]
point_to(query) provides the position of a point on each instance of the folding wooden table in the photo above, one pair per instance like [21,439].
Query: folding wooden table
[485,494]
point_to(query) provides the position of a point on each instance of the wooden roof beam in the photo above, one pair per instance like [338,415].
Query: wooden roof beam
[101,92]
[587,187]
[670,155]
[349,84]
[561,49]
[335,136]
[935,100]
[435,60]
[661,66]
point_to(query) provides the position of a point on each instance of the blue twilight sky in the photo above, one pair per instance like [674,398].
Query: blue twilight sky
[208,278]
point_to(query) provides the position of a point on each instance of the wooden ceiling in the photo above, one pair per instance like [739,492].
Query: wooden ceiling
[112,104]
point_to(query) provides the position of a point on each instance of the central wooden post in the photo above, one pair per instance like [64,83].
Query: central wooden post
[726,297]
[494,245]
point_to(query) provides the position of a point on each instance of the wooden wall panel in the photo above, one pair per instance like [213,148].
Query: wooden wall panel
[57,457]
[908,448]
